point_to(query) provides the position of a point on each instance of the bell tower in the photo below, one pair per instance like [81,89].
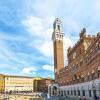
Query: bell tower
[57,38]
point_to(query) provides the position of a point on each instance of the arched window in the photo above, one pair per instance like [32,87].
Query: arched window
[74,92]
[54,90]
[98,73]
[68,92]
[61,93]
[88,77]
[78,92]
[64,93]
[71,92]
[82,78]
[81,62]
[83,92]
[93,75]
[58,27]
[90,94]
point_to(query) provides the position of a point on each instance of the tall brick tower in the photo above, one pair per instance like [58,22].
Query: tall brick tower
[57,38]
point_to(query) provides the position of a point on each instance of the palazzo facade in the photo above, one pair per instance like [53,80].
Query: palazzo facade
[83,61]
[81,78]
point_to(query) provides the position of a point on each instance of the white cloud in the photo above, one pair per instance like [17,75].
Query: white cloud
[67,42]
[34,73]
[27,70]
[95,15]
[47,7]
[34,25]
[47,74]
[46,49]
[48,67]
[41,32]
[7,55]
[38,26]
[72,25]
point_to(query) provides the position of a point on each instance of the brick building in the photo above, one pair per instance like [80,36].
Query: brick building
[83,60]
[41,84]
[81,78]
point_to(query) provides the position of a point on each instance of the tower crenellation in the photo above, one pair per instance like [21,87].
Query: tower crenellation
[57,33]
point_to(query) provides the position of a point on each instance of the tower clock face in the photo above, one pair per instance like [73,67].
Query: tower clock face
[74,55]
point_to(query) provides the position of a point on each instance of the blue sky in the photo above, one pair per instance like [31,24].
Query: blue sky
[26,28]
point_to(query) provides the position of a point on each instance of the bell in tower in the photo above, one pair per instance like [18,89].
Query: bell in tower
[57,33]
[57,25]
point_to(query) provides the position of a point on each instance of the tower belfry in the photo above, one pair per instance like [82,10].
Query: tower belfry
[57,38]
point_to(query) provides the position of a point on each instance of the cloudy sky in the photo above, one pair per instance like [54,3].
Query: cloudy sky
[26,29]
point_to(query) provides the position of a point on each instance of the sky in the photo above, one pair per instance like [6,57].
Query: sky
[26,27]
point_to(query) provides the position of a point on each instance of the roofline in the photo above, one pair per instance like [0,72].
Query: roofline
[18,76]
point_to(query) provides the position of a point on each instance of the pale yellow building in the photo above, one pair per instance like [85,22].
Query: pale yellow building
[10,83]
[18,83]
[2,82]
[15,83]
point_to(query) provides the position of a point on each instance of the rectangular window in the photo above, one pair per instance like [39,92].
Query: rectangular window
[68,92]
[74,92]
[90,93]
[71,92]
[83,92]
[88,77]
[81,62]
[65,93]
[78,92]
[99,74]
[93,76]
